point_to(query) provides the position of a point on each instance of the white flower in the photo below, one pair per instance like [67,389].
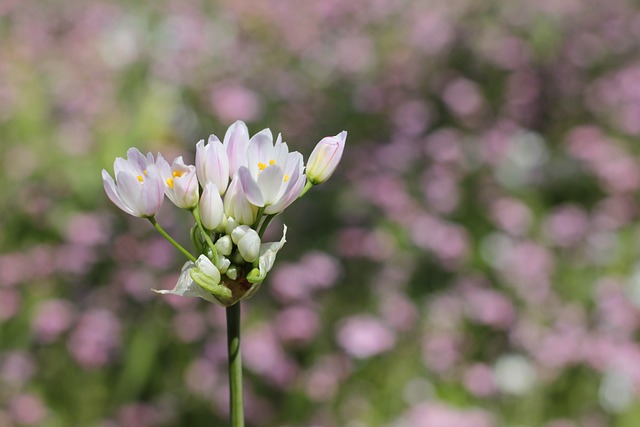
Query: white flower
[138,188]
[325,158]
[273,177]
[180,182]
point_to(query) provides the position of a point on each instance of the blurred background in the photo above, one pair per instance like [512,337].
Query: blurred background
[473,262]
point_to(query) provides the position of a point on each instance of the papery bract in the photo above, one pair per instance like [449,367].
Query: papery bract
[180,182]
[212,164]
[138,188]
[187,287]
[266,259]
[325,158]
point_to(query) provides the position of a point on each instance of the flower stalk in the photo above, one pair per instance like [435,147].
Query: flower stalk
[236,407]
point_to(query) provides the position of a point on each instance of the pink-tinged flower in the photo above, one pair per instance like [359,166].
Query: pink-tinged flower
[236,142]
[180,182]
[273,177]
[211,208]
[237,206]
[212,164]
[325,158]
[138,188]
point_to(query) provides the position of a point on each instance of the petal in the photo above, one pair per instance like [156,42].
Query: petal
[112,192]
[236,141]
[152,191]
[292,192]
[130,191]
[271,183]
[250,187]
[217,165]
[260,150]
[136,158]
[163,167]
[211,208]
[200,162]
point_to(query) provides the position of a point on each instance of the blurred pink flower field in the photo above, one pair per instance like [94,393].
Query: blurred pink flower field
[473,262]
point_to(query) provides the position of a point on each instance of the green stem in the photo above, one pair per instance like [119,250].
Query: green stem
[306,188]
[265,224]
[235,366]
[207,238]
[170,239]
[258,218]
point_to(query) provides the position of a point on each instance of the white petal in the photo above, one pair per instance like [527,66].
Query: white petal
[271,183]
[112,192]
[250,187]
[211,208]
[130,191]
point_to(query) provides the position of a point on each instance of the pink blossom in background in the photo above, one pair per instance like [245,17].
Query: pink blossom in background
[16,368]
[27,409]
[52,318]
[439,415]
[264,355]
[512,216]
[200,377]
[10,302]
[189,326]
[364,336]
[478,380]
[297,324]
[440,352]
[233,102]
[324,378]
[87,230]
[398,311]
[489,307]
[137,415]
[95,338]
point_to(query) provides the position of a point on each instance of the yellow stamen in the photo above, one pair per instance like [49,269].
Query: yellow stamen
[286,178]
[261,166]
[272,162]
[140,178]
[144,172]
[170,182]
[178,174]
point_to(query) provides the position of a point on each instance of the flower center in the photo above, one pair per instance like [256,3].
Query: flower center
[176,174]
[263,166]
[140,177]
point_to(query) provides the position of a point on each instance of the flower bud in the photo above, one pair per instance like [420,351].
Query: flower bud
[325,158]
[224,245]
[211,209]
[239,232]
[223,264]
[232,272]
[249,246]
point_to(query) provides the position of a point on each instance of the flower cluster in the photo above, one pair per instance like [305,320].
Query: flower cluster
[235,189]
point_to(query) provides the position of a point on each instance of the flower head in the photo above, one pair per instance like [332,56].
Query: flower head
[138,188]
